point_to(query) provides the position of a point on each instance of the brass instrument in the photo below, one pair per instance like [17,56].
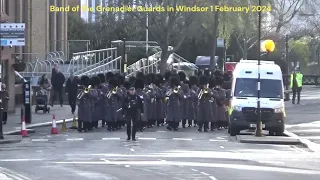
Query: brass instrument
[111,92]
[203,91]
[176,89]
[169,92]
[84,91]
[200,94]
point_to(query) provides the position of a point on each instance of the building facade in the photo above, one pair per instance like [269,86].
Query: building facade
[45,32]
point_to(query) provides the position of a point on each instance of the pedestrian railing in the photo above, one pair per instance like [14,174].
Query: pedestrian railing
[111,66]
[143,63]
[307,79]
[86,59]
[104,61]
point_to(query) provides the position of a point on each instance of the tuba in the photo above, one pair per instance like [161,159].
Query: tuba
[84,91]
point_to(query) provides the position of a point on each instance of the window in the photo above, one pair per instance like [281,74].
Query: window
[270,88]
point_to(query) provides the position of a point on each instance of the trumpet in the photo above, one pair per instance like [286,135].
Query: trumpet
[83,92]
[200,94]
[169,92]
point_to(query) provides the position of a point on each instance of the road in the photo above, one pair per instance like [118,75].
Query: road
[158,154]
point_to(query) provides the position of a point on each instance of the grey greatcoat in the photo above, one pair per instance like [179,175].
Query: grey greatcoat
[204,107]
[173,106]
[221,110]
[113,106]
[194,110]
[122,96]
[185,101]
[151,115]
[215,95]
[164,89]
[85,106]
[96,111]
[192,104]
[159,103]
[144,97]
[102,102]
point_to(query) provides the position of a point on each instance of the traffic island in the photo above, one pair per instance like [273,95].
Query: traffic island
[10,139]
[280,140]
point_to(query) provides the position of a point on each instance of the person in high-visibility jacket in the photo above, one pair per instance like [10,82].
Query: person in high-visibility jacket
[296,85]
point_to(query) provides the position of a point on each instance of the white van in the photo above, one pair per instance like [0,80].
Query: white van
[243,109]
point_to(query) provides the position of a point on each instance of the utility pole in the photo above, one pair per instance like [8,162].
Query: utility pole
[259,125]
[147,40]
[1,101]
[288,64]
[124,57]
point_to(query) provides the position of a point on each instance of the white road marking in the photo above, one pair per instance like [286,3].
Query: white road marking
[221,147]
[127,166]
[271,162]
[74,139]
[205,173]
[141,138]
[39,140]
[218,140]
[194,170]
[213,178]
[311,145]
[131,149]
[13,174]
[105,160]
[110,138]
[178,178]
[162,131]
[312,137]
[197,164]
[182,139]
[19,160]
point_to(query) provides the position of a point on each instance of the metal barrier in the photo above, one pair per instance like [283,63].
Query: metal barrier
[142,64]
[82,60]
[307,79]
[104,61]
[111,66]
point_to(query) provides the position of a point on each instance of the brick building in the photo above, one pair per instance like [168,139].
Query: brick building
[45,32]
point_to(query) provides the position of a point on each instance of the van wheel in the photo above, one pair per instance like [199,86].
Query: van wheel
[234,131]
[229,129]
[271,133]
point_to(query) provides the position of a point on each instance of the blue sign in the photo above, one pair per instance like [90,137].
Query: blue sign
[12,34]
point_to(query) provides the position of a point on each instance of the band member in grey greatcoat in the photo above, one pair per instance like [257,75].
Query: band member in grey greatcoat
[96,111]
[121,79]
[159,100]
[139,86]
[112,104]
[204,104]
[221,110]
[102,101]
[193,100]
[149,99]
[173,104]
[85,105]
[212,85]
[185,100]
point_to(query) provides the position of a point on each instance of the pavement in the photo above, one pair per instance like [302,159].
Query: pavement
[13,125]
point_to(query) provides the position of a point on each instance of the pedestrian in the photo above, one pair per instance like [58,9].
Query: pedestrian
[112,104]
[212,85]
[102,101]
[139,86]
[5,103]
[132,111]
[71,91]
[193,100]
[95,82]
[148,99]
[220,101]
[296,80]
[45,84]
[159,100]
[57,80]
[184,101]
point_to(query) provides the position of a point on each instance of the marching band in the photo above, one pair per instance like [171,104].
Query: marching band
[166,100]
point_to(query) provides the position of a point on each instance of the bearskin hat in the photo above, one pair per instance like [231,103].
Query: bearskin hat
[219,81]
[193,80]
[149,79]
[85,81]
[206,72]
[158,79]
[218,73]
[203,80]
[199,73]
[121,78]
[94,81]
[167,75]
[109,76]
[182,76]
[132,79]
[174,81]
[127,85]
[139,84]
[212,82]
[102,78]
[113,82]
[140,75]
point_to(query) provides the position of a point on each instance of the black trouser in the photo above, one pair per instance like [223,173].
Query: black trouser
[204,124]
[56,92]
[82,125]
[296,92]
[4,116]
[131,133]
[72,98]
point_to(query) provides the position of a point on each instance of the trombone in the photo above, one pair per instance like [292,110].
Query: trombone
[83,92]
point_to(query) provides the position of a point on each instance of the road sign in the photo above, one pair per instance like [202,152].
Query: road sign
[220,42]
[12,34]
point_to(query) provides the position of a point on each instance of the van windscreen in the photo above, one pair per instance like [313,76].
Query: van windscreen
[269,88]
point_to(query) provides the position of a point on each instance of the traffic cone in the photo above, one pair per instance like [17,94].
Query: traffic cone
[64,126]
[74,123]
[24,132]
[54,129]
